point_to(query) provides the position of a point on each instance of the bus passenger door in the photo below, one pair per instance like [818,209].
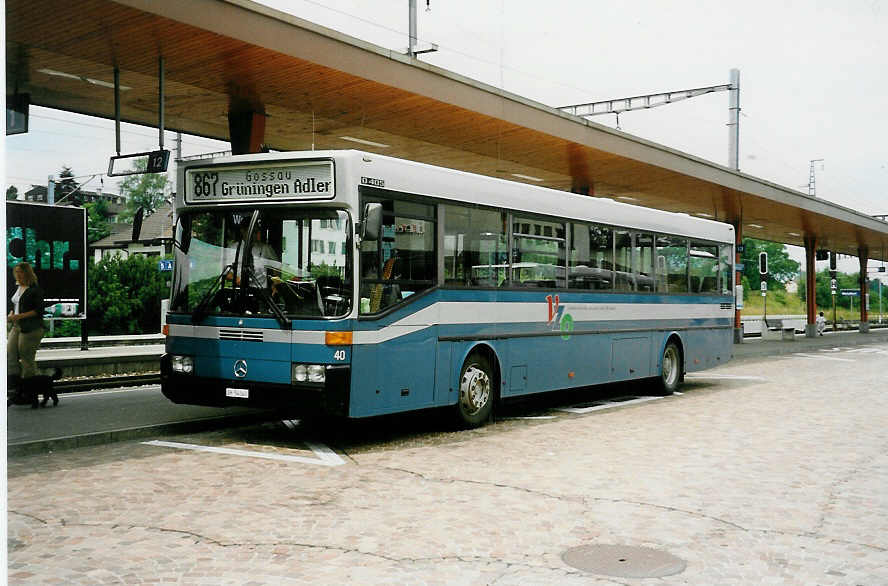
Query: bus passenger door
[406,368]
[396,373]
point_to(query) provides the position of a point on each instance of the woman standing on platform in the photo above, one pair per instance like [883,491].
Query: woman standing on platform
[26,318]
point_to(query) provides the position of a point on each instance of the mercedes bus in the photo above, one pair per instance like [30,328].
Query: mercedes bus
[356,284]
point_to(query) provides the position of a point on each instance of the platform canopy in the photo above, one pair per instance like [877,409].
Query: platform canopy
[316,86]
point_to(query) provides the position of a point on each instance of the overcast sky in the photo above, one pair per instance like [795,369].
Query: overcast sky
[813,82]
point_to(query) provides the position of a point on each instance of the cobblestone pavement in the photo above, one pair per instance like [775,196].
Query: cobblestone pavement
[770,471]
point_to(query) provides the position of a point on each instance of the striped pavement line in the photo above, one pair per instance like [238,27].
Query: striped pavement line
[325,456]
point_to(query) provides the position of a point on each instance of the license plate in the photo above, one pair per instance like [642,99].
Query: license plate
[237,393]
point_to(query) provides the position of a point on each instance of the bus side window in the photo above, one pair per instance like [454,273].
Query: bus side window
[474,247]
[672,264]
[643,261]
[403,262]
[624,277]
[540,247]
[579,272]
[703,267]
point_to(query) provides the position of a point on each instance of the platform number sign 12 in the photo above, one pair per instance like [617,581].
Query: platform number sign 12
[158,161]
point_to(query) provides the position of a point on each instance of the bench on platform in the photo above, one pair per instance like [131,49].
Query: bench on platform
[777,328]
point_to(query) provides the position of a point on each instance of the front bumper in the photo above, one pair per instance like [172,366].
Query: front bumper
[329,398]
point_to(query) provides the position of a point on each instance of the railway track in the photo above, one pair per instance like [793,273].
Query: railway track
[106,382]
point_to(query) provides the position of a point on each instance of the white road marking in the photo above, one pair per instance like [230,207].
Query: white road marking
[113,391]
[723,377]
[325,456]
[607,405]
[532,417]
[821,357]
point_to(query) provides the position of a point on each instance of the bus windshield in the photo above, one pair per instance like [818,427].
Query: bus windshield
[270,262]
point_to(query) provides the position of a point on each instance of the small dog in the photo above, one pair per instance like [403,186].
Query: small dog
[28,390]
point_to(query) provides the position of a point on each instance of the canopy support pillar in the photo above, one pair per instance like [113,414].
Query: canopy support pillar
[810,286]
[862,256]
[246,128]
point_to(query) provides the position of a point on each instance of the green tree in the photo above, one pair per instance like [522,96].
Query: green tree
[874,297]
[96,225]
[124,295]
[145,190]
[67,188]
[12,192]
[822,293]
[781,268]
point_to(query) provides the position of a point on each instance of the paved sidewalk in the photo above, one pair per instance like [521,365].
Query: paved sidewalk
[125,417]
[752,477]
[757,348]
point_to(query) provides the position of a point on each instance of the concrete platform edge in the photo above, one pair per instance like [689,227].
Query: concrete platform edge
[127,434]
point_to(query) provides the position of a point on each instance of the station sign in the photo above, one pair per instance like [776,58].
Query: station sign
[165,265]
[139,163]
[850,292]
[264,181]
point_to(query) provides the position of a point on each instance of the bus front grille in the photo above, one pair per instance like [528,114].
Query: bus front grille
[241,335]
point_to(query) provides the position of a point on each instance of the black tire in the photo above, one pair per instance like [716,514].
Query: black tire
[477,389]
[671,370]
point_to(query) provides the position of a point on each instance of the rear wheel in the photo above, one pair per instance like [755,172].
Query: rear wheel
[671,368]
[476,392]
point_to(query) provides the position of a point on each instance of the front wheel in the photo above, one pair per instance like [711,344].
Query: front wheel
[476,392]
[670,370]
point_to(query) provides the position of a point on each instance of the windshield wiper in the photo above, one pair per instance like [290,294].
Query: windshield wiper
[200,309]
[283,319]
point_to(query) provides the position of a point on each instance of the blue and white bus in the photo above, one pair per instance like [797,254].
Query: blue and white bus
[356,284]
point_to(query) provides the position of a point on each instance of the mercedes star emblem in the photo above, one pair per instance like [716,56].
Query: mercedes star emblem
[240,368]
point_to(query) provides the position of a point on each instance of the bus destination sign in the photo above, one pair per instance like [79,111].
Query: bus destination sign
[285,181]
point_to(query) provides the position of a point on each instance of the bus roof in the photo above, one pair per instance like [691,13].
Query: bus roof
[459,186]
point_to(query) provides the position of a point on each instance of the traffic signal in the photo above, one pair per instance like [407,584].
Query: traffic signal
[763,263]
[832,262]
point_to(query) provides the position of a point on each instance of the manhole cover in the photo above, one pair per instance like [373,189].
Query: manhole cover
[624,561]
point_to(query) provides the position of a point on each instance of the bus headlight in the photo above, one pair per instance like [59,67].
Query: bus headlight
[316,373]
[182,364]
[309,373]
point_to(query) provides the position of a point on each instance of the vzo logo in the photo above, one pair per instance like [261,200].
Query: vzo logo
[558,319]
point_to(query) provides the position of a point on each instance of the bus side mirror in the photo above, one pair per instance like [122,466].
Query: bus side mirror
[371,222]
[185,231]
[137,223]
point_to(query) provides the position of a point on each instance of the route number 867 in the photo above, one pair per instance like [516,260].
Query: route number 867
[205,184]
